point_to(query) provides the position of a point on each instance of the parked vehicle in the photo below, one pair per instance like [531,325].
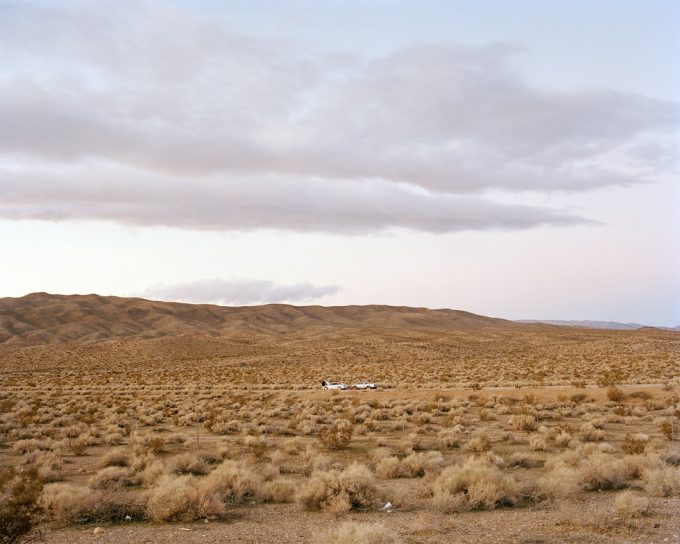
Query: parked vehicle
[333,385]
[365,385]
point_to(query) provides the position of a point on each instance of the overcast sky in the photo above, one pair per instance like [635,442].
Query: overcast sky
[516,159]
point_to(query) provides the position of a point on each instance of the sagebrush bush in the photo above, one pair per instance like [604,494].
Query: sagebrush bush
[631,505]
[68,503]
[662,481]
[116,458]
[479,443]
[231,483]
[634,445]
[387,468]
[352,488]
[538,443]
[176,498]
[417,464]
[336,436]
[523,422]
[19,494]
[559,483]
[477,484]
[188,463]
[112,478]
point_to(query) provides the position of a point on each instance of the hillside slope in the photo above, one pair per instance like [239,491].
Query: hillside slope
[41,318]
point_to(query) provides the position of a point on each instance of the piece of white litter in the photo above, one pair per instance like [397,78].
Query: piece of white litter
[388,506]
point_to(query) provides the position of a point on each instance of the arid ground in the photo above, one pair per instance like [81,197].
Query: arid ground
[124,420]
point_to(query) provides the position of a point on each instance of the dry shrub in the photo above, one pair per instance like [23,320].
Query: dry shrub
[176,498]
[414,441]
[277,490]
[589,433]
[69,503]
[313,460]
[18,504]
[666,429]
[631,505]
[79,446]
[231,483]
[152,472]
[50,467]
[634,445]
[477,484]
[353,488]
[479,443]
[387,468]
[562,439]
[662,481]
[417,464]
[524,460]
[186,498]
[188,463]
[116,458]
[359,533]
[448,438]
[560,483]
[538,443]
[155,444]
[615,394]
[523,422]
[599,472]
[336,436]
[112,478]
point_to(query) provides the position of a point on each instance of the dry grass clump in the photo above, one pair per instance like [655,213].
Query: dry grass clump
[559,483]
[336,436]
[335,491]
[479,443]
[583,469]
[176,498]
[277,490]
[538,443]
[70,503]
[615,394]
[477,484]
[522,422]
[231,483]
[631,505]
[359,533]
[112,478]
[186,498]
[663,481]
[387,468]
[116,458]
[19,495]
[417,464]
[188,463]
[634,445]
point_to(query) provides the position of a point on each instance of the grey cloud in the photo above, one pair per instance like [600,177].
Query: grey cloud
[286,203]
[239,292]
[201,127]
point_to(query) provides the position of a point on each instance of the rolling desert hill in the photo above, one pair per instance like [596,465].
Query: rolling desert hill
[42,318]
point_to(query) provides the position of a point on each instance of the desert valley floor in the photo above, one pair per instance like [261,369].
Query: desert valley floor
[124,420]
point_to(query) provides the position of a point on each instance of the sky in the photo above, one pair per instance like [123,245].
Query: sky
[514,159]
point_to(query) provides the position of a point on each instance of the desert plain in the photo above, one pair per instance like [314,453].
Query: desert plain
[126,420]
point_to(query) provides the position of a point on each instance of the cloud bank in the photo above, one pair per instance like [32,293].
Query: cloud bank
[146,114]
[239,292]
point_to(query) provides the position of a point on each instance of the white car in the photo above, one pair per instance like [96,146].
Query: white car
[365,385]
[333,385]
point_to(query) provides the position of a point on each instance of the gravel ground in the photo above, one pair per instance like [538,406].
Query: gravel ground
[589,520]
